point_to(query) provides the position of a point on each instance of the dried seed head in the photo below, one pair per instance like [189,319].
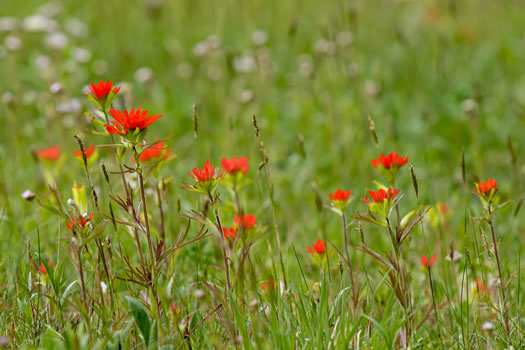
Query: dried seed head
[104,171]
[467,254]
[361,234]
[95,197]
[81,145]
[414,181]
[485,243]
[318,198]
[112,216]
[372,128]
[518,207]
[195,121]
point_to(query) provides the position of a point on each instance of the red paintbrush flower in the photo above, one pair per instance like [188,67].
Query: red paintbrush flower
[203,175]
[427,262]
[101,90]
[245,220]
[229,232]
[380,195]
[130,121]
[235,165]
[43,268]
[485,188]
[340,198]
[318,247]
[89,152]
[268,285]
[155,153]
[81,222]
[392,160]
[50,153]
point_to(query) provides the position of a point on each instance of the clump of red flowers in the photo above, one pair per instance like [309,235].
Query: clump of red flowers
[43,268]
[268,285]
[81,222]
[318,247]
[245,220]
[101,90]
[235,165]
[486,188]
[390,161]
[89,152]
[340,198]
[155,152]
[389,165]
[51,154]
[206,178]
[229,232]
[426,262]
[134,120]
[381,195]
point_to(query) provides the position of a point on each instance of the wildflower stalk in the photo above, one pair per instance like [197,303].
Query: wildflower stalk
[81,274]
[161,211]
[219,225]
[434,303]
[501,281]
[350,270]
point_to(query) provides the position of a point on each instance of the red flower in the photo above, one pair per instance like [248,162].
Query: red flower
[51,153]
[43,268]
[443,208]
[102,89]
[229,233]
[80,222]
[392,160]
[319,247]
[203,175]
[425,261]
[268,285]
[340,195]
[234,165]
[245,220]
[89,152]
[486,187]
[481,288]
[129,121]
[380,195]
[156,152]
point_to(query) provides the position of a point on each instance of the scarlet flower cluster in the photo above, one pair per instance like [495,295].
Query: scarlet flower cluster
[245,220]
[81,222]
[101,90]
[89,152]
[49,154]
[392,160]
[485,188]
[380,195]
[427,262]
[130,121]
[203,175]
[229,232]
[318,247]
[235,165]
[155,152]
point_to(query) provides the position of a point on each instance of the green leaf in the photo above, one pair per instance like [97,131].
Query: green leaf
[140,314]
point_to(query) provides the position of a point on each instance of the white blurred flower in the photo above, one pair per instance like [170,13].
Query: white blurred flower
[51,9]
[214,73]
[200,49]
[144,75]
[259,37]
[199,294]
[29,97]
[56,88]
[454,256]
[77,28]
[244,63]
[12,43]
[42,62]
[344,38]
[306,67]
[469,106]
[81,54]
[8,24]
[371,88]
[100,67]
[104,287]
[39,23]
[184,70]
[214,41]
[57,40]
[246,96]
[8,98]
[28,195]
[487,326]
[324,46]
